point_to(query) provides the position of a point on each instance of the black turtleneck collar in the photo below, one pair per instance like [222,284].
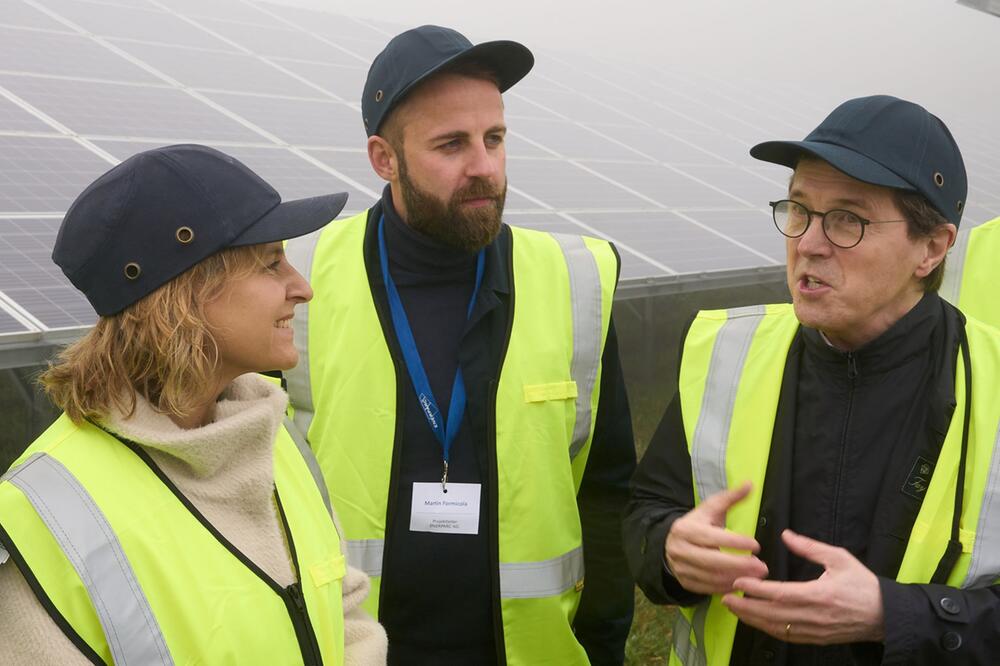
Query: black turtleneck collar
[415,253]
[910,335]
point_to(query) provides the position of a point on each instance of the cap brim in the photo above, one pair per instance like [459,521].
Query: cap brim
[852,163]
[291,219]
[510,61]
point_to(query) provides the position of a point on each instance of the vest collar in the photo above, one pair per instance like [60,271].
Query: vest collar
[911,335]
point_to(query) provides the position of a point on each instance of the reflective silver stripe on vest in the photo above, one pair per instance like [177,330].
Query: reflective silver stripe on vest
[299,252]
[984,564]
[954,266]
[366,554]
[530,580]
[89,543]
[687,652]
[586,302]
[4,555]
[310,459]
[708,449]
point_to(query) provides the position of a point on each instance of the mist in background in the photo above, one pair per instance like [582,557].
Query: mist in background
[934,52]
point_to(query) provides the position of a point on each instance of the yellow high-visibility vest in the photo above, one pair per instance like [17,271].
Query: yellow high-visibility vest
[730,378]
[972,271]
[132,575]
[344,393]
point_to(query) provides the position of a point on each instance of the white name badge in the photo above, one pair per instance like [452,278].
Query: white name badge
[452,512]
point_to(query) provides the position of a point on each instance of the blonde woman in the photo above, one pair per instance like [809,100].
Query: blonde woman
[168,516]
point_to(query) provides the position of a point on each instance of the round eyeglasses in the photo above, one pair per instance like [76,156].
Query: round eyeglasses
[841,227]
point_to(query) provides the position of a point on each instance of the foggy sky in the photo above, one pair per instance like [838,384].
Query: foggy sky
[934,52]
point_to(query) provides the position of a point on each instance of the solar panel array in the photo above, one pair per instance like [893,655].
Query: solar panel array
[652,159]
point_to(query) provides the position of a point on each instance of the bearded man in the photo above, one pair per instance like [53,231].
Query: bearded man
[460,383]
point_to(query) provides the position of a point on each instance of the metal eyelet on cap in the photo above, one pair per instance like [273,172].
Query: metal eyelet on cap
[184,235]
[960,206]
[133,270]
[379,95]
[938,179]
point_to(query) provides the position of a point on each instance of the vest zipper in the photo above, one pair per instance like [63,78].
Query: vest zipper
[852,374]
[295,603]
[291,595]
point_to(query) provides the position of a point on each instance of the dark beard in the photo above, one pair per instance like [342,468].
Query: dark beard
[466,230]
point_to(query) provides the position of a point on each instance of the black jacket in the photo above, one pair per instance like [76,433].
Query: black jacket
[440,593]
[851,431]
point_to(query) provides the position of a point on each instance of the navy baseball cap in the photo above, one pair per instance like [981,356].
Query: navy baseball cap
[885,141]
[415,55]
[162,211]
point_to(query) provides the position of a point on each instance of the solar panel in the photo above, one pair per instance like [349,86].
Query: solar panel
[9,326]
[64,55]
[216,70]
[16,13]
[303,122]
[355,165]
[143,24]
[16,119]
[40,174]
[279,41]
[230,10]
[110,109]
[346,82]
[569,140]
[33,281]
[680,244]
[640,153]
[570,186]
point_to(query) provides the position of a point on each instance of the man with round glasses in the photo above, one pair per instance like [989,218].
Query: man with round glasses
[825,485]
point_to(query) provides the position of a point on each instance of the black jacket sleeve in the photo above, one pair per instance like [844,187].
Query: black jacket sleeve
[662,491]
[605,614]
[937,624]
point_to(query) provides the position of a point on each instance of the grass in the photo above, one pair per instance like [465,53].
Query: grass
[649,640]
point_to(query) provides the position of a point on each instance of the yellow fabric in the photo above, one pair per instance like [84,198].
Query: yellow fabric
[355,389]
[210,607]
[978,296]
[752,427]
[553,391]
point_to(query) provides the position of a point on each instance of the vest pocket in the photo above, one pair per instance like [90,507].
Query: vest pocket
[551,391]
[332,569]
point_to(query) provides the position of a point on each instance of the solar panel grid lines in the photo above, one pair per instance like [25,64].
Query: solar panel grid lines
[62,54]
[107,109]
[357,57]
[732,240]
[45,174]
[33,284]
[593,231]
[648,156]
[143,23]
[14,13]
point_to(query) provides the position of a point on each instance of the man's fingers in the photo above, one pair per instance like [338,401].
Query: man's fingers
[813,550]
[714,564]
[777,591]
[709,536]
[718,504]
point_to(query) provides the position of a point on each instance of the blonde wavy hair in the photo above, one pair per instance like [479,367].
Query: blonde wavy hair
[159,347]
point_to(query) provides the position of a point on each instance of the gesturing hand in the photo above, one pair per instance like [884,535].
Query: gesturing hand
[844,605]
[694,547]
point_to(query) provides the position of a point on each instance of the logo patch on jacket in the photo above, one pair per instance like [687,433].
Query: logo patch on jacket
[919,478]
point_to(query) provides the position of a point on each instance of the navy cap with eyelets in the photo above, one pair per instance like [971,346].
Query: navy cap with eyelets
[414,56]
[884,140]
[162,211]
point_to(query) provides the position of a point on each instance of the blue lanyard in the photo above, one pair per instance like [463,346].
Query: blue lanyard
[444,431]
